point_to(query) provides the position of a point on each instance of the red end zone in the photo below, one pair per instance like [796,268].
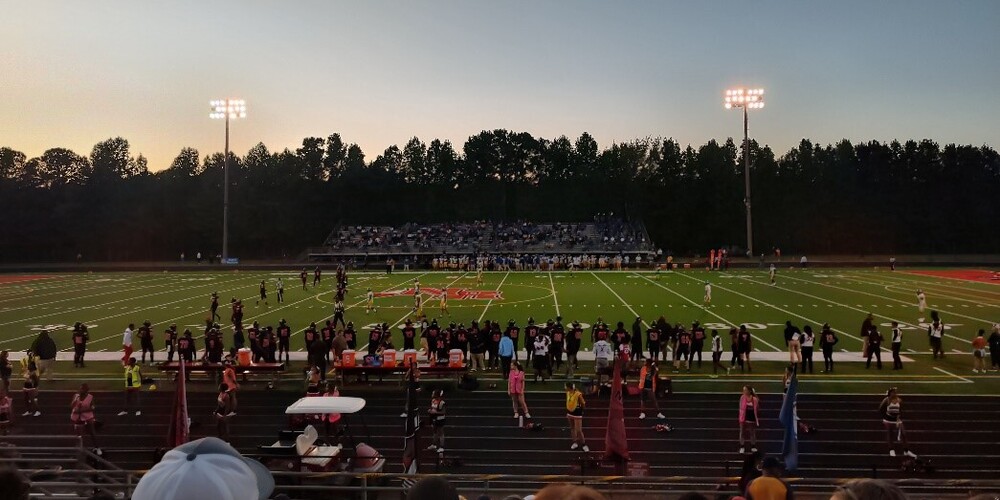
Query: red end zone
[18,279]
[980,275]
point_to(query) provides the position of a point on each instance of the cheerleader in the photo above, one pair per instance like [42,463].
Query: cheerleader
[82,415]
[893,423]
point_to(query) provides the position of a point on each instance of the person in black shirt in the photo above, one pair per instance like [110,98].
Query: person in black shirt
[146,341]
[409,335]
[636,352]
[574,337]
[317,274]
[374,340]
[558,337]
[238,341]
[304,276]
[514,333]
[317,355]
[619,336]
[530,334]
[170,342]
[267,345]
[215,306]
[697,341]
[213,348]
[252,335]
[875,340]
[653,342]
[460,341]
[80,338]
[284,339]
[827,339]
[326,335]
[493,346]
[351,336]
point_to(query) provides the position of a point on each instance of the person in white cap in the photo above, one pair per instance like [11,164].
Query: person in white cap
[206,468]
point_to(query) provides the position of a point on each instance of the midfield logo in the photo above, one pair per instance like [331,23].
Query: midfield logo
[453,293]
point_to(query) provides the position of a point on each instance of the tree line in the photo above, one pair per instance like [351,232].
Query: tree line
[864,198]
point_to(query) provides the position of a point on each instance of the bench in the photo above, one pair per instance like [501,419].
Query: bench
[216,368]
[382,371]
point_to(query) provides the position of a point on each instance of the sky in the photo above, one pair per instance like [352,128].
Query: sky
[379,72]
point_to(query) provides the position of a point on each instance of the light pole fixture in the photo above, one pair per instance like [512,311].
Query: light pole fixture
[228,109]
[746,99]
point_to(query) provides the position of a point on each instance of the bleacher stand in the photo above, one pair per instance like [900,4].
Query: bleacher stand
[606,234]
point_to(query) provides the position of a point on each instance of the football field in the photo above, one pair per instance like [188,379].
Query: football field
[842,297]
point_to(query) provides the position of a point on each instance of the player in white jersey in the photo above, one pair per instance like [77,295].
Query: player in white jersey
[370,307]
[772,272]
[479,274]
[443,302]
[708,293]
[921,303]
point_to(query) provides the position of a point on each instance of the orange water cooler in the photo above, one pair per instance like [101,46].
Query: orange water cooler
[243,356]
[455,359]
[389,358]
[347,359]
[409,357]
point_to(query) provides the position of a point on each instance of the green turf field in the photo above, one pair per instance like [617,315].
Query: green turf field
[108,302]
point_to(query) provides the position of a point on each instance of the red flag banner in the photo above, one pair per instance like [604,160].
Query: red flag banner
[615,441]
[178,432]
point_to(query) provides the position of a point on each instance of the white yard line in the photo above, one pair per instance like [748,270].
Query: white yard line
[911,287]
[68,288]
[99,306]
[110,292]
[852,307]
[923,279]
[895,300]
[555,300]
[626,304]
[709,311]
[483,315]
[946,372]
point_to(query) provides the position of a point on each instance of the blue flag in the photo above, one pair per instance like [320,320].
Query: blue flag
[788,419]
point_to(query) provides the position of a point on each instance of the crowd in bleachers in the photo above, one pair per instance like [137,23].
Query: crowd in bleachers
[604,233]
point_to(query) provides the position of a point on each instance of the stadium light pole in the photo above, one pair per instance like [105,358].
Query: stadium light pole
[746,99]
[228,109]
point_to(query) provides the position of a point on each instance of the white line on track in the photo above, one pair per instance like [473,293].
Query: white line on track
[77,297]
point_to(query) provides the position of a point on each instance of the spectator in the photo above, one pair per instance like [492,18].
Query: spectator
[432,488]
[13,485]
[769,486]
[205,468]
[567,492]
[869,489]
[45,348]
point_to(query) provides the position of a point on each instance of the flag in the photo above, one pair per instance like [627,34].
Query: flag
[411,426]
[615,441]
[177,434]
[789,419]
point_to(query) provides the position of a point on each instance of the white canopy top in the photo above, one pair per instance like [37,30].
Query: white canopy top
[326,404]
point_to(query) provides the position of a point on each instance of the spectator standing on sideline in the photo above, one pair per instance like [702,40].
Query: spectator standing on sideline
[229,378]
[127,344]
[80,338]
[636,353]
[827,339]
[979,352]
[506,352]
[897,344]
[935,331]
[574,414]
[875,340]
[45,349]
[994,342]
[717,354]
[133,383]
[807,340]
[515,387]
[82,415]
[749,418]
[769,486]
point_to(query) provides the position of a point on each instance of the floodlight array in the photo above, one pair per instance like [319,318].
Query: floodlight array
[748,98]
[228,108]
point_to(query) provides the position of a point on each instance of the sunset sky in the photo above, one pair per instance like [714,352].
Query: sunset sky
[73,73]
